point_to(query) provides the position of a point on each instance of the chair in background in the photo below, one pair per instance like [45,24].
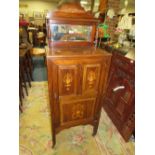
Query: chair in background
[39,52]
[41,39]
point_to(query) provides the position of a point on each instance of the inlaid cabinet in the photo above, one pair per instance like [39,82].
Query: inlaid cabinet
[76,85]
[77,70]
[82,78]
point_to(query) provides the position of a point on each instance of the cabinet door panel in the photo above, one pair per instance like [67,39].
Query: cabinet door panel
[76,110]
[67,79]
[91,75]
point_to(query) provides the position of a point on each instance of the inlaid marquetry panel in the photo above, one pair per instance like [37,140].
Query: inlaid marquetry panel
[91,74]
[76,110]
[67,79]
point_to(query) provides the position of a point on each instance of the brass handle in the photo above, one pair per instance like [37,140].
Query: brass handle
[118,88]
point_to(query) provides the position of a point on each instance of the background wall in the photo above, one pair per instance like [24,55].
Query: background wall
[130,7]
[118,6]
[28,8]
[114,4]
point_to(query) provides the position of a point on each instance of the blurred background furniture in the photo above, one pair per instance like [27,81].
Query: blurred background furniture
[38,52]
[119,99]
[32,31]
[25,71]
[41,39]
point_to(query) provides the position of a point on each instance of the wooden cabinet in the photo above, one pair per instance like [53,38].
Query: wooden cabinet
[76,85]
[79,78]
[119,97]
[77,71]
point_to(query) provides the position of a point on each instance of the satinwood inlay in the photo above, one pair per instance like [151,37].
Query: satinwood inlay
[67,80]
[77,111]
[91,78]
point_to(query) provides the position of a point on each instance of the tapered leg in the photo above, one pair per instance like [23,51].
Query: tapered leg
[21,93]
[30,58]
[29,65]
[20,108]
[22,78]
[45,61]
[95,128]
[20,96]
[28,76]
[53,138]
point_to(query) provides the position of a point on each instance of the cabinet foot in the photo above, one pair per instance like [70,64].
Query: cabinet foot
[95,128]
[53,139]
[53,145]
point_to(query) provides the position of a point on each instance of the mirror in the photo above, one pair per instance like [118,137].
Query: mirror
[67,32]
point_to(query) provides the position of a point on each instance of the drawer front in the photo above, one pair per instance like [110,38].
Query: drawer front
[76,110]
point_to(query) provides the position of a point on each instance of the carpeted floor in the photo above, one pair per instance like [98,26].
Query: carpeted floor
[35,131]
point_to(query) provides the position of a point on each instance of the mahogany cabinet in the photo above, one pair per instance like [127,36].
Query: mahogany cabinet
[119,98]
[77,71]
[76,85]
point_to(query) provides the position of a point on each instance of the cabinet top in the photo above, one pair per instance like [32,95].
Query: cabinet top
[75,52]
[71,25]
[71,11]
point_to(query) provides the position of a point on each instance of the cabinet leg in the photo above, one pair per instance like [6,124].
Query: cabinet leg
[53,139]
[95,128]
[20,108]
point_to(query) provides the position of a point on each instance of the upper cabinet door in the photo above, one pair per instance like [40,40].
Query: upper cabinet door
[91,77]
[77,78]
[68,79]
